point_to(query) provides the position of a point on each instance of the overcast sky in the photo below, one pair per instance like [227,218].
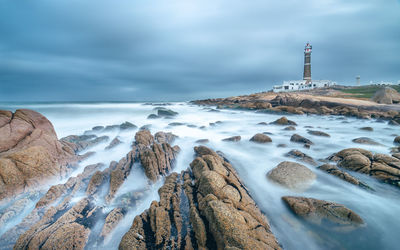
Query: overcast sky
[133,50]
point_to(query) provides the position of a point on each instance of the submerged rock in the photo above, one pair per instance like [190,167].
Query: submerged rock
[153,116]
[163,112]
[318,133]
[298,155]
[367,128]
[233,138]
[292,175]
[397,140]
[115,142]
[365,140]
[201,141]
[261,138]
[127,126]
[332,216]
[289,128]
[208,209]
[284,121]
[333,170]
[300,139]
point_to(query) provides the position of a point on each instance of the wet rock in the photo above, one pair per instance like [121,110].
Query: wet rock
[201,141]
[191,126]
[72,228]
[82,142]
[380,166]
[332,216]
[111,221]
[292,175]
[300,139]
[284,121]
[233,138]
[30,153]
[145,127]
[289,128]
[318,133]
[115,142]
[162,112]
[367,128]
[111,127]
[397,140]
[262,123]
[261,138]
[333,170]
[153,116]
[176,124]
[162,137]
[98,128]
[281,145]
[127,126]
[209,209]
[365,140]
[298,155]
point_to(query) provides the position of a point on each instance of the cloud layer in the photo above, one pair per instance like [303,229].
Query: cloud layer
[132,50]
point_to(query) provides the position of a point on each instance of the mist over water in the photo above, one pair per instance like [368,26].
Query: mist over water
[379,208]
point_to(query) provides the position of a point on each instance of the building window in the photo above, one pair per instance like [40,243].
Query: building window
[286,87]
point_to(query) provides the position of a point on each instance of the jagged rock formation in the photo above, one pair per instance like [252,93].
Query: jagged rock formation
[320,212]
[380,166]
[333,170]
[205,208]
[30,153]
[72,223]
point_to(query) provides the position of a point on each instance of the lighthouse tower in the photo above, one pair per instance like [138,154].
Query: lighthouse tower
[307,62]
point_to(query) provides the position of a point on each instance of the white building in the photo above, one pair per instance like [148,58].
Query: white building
[298,85]
[306,83]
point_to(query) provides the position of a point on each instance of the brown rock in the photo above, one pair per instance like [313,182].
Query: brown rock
[386,95]
[300,139]
[317,211]
[333,170]
[261,138]
[298,155]
[115,142]
[367,128]
[284,121]
[111,221]
[365,140]
[318,133]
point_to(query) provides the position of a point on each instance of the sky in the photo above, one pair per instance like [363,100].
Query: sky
[178,50]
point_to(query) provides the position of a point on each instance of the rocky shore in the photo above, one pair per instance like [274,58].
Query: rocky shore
[205,206]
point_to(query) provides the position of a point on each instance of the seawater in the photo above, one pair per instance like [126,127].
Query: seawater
[379,209]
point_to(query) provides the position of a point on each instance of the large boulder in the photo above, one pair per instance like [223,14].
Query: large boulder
[386,95]
[292,175]
[332,215]
[30,153]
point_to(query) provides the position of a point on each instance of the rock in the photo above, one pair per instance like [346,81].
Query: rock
[98,128]
[262,123]
[321,212]
[365,140]
[162,137]
[298,155]
[176,124]
[233,138]
[209,209]
[162,112]
[202,141]
[153,116]
[284,121]
[281,145]
[380,166]
[397,140]
[333,170]
[318,133]
[300,139]
[115,142]
[111,127]
[289,128]
[30,153]
[261,138]
[292,175]
[72,228]
[111,221]
[127,126]
[386,95]
[367,128]
[83,142]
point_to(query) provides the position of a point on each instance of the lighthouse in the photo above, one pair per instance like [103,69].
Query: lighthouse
[307,62]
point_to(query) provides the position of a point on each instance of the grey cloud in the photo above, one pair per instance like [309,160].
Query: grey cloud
[183,50]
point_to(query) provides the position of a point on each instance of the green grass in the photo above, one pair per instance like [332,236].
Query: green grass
[366,91]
